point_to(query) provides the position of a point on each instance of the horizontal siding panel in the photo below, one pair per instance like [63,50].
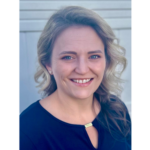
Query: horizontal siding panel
[54,5]
[38,25]
[119,23]
[46,14]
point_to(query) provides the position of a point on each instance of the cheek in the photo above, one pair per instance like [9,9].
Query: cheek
[100,67]
[62,70]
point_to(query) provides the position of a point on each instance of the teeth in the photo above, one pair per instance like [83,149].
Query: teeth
[82,81]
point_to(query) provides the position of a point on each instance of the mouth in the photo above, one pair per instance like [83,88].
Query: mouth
[82,81]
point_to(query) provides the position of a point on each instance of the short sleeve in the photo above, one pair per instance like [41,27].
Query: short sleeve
[26,143]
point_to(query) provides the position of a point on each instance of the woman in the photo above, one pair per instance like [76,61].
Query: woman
[79,74]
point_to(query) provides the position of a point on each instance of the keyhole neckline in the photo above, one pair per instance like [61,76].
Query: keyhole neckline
[66,123]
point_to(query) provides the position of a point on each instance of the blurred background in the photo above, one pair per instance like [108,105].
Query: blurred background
[33,17]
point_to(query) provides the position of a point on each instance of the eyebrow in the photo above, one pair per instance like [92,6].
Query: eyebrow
[97,51]
[72,52]
[68,52]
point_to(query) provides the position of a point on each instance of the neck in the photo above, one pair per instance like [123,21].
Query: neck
[77,107]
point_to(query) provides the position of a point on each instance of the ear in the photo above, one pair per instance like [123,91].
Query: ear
[49,68]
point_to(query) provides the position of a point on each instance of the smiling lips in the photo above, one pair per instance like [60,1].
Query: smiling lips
[81,80]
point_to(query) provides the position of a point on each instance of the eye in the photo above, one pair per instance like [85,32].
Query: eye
[94,57]
[67,57]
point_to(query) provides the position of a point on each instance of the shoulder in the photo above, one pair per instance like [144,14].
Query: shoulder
[116,118]
[35,124]
[29,125]
[33,118]
[30,113]
[29,109]
[122,116]
[36,119]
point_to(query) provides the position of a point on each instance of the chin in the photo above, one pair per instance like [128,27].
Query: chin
[82,95]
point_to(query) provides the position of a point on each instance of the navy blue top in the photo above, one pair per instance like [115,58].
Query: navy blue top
[40,130]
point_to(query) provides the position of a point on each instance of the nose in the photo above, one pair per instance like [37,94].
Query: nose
[82,66]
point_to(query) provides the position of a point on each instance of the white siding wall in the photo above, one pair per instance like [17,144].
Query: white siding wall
[33,17]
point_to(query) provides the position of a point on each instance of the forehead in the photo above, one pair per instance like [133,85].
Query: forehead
[78,38]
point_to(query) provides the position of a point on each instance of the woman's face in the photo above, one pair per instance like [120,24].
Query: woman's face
[78,62]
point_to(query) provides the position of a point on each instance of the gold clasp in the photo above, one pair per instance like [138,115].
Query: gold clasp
[88,125]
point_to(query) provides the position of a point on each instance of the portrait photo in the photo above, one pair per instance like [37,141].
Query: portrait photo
[75,75]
